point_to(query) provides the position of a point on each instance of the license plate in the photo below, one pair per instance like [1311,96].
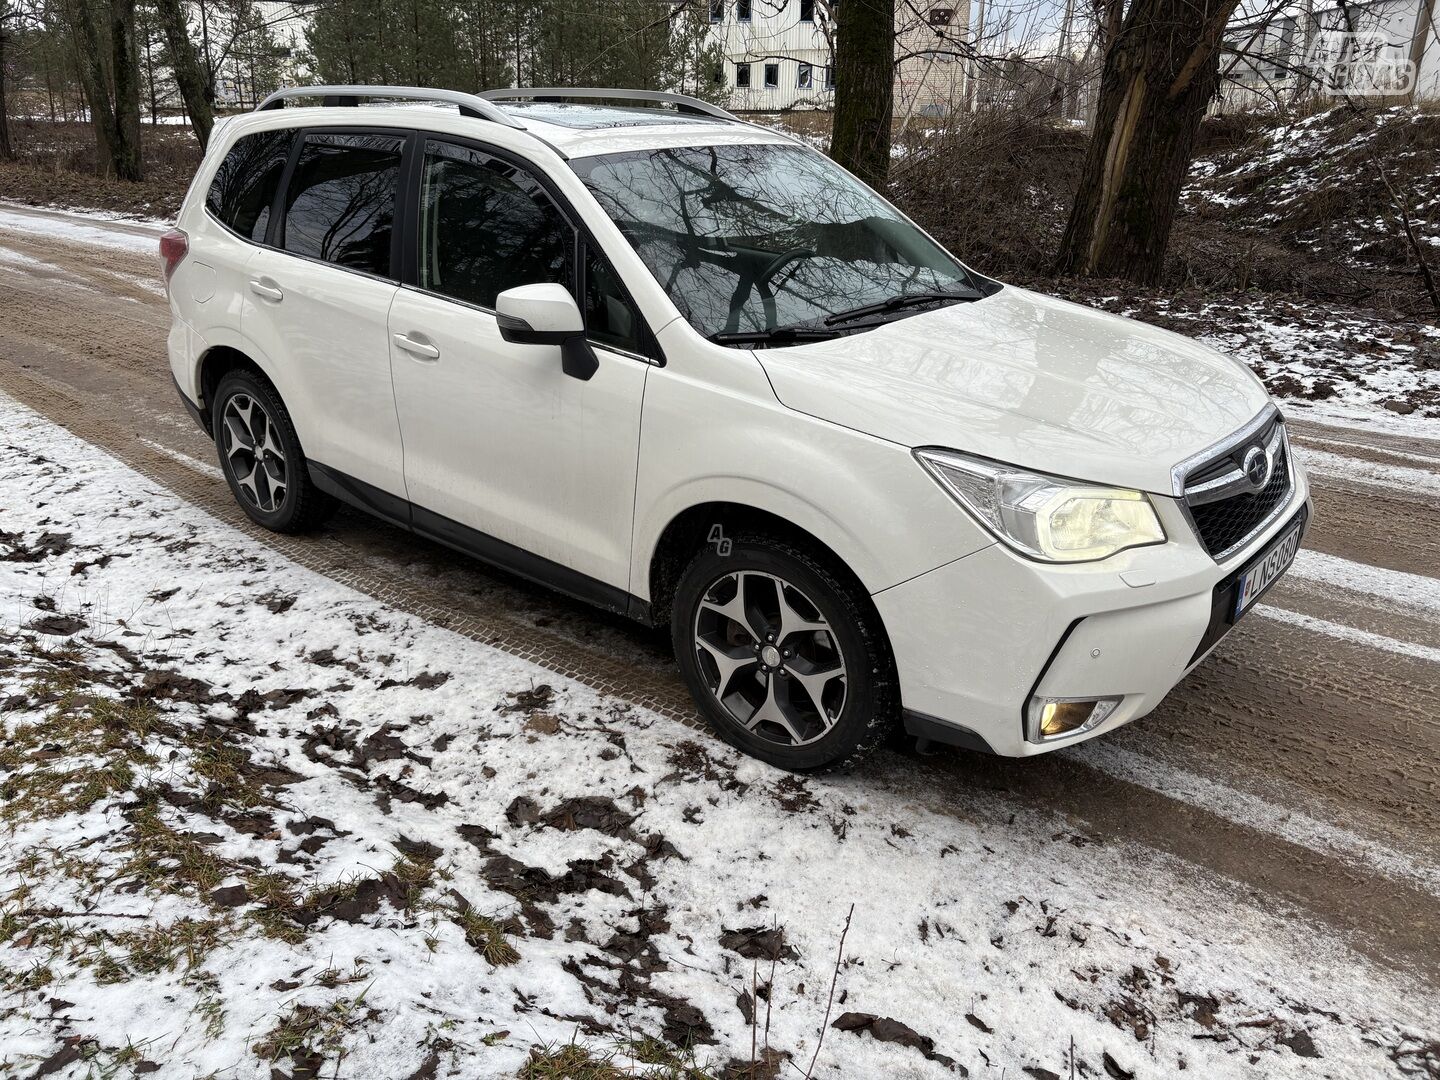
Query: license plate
[1271,563]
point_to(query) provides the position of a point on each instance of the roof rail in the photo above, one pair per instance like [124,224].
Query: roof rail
[682,102]
[469,104]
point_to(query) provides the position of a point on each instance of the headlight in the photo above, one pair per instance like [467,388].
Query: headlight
[1046,517]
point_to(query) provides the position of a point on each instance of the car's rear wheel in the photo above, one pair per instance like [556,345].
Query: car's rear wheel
[786,658]
[261,457]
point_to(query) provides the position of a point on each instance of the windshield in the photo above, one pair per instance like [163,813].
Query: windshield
[759,237]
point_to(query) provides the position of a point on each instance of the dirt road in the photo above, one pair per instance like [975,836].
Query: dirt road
[1301,763]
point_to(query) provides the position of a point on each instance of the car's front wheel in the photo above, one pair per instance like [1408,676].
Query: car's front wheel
[786,659]
[261,457]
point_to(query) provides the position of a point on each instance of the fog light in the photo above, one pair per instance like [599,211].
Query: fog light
[1060,718]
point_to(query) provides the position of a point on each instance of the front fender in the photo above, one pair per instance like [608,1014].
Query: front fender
[866,499]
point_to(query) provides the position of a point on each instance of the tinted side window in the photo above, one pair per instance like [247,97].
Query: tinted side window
[486,226]
[610,318]
[340,206]
[244,186]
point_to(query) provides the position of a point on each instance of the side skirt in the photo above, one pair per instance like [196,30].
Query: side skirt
[479,545]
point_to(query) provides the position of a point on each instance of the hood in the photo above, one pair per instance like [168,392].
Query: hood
[1029,380]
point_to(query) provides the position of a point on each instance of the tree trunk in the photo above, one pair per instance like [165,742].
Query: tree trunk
[125,71]
[1419,42]
[185,64]
[1161,72]
[94,82]
[150,82]
[864,89]
[7,151]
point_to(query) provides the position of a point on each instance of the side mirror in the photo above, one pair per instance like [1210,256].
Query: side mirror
[547,315]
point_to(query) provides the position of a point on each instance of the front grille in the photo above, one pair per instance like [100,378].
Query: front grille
[1226,511]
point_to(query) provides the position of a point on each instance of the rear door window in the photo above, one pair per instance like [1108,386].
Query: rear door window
[244,186]
[340,205]
[486,226]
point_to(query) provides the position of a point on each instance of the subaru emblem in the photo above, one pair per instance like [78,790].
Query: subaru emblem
[1256,467]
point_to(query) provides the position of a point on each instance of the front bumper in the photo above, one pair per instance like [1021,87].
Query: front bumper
[976,639]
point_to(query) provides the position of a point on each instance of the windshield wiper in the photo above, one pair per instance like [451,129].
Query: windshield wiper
[895,303]
[781,335]
[792,335]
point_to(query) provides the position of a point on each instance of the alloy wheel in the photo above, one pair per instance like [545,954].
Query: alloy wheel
[254,453]
[769,657]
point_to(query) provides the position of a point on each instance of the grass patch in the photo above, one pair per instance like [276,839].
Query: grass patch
[85,749]
[167,861]
[308,1034]
[643,1059]
[163,948]
[484,935]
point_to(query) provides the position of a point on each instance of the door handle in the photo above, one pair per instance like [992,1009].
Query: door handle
[417,347]
[266,288]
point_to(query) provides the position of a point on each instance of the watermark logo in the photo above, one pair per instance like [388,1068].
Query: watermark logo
[722,543]
[1363,64]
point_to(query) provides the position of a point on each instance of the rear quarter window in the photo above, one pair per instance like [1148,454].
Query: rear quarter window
[244,186]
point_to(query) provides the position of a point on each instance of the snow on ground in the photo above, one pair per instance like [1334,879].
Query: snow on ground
[1394,590]
[1354,635]
[252,816]
[86,227]
[1375,473]
[1327,359]
[1260,814]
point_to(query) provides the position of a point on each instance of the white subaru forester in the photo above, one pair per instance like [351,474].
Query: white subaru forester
[684,367]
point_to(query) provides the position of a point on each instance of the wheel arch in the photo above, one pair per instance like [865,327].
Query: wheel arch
[690,529]
[217,360]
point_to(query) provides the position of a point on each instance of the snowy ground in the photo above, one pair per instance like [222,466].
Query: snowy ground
[93,227]
[253,819]
[1323,358]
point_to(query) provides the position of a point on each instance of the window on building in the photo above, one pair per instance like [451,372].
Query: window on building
[742,10]
[742,76]
[244,185]
[807,10]
[942,16]
[486,226]
[805,77]
[829,76]
[717,11]
[340,206]
[772,76]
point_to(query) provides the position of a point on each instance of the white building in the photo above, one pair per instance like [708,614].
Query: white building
[780,54]
[252,65]
[1382,48]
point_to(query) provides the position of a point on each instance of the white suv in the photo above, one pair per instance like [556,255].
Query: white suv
[688,369]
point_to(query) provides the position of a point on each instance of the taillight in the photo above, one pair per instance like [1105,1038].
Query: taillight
[174,245]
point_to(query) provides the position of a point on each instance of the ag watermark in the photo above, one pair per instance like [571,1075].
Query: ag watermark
[1363,64]
[721,542]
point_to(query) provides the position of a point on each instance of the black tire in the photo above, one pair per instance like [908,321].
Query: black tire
[294,506]
[862,718]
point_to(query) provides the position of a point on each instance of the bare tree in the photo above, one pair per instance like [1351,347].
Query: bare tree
[125,80]
[8,15]
[864,88]
[1161,71]
[185,64]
